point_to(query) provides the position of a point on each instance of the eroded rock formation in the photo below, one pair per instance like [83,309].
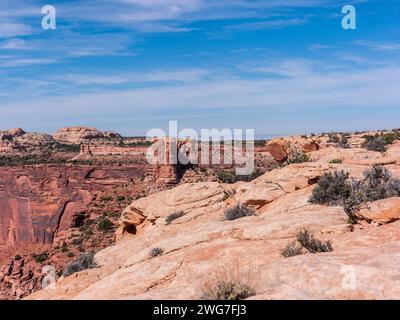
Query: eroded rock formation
[199,244]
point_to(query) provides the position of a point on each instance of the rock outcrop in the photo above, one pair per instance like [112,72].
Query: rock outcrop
[77,135]
[200,244]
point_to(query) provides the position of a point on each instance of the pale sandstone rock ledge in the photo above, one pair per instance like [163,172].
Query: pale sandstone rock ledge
[197,246]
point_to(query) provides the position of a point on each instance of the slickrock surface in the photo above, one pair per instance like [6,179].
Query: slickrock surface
[201,244]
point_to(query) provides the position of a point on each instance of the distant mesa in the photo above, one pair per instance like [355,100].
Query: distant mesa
[76,135]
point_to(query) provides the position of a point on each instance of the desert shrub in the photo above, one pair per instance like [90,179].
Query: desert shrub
[229,284]
[344,142]
[297,156]
[336,189]
[336,161]
[105,225]
[17,257]
[173,216]
[41,257]
[229,176]
[228,290]
[121,198]
[83,262]
[313,245]
[333,138]
[64,247]
[154,252]
[354,202]
[331,188]
[77,241]
[237,212]
[226,176]
[106,198]
[292,249]
[379,184]
[375,143]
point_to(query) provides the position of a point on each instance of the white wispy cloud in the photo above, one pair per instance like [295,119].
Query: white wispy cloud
[268,24]
[8,30]
[303,84]
[382,46]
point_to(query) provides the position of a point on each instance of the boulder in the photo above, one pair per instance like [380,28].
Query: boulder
[381,211]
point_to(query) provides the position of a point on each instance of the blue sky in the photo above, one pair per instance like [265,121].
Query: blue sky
[278,66]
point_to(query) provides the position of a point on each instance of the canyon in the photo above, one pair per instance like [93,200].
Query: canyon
[51,213]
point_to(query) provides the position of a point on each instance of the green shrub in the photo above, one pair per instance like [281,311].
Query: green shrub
[344,142]
[173,216]
[106,198]
[154,252]
[307,240]
[331,189]
[228,290]
[64,247]
[292,249]
[333,138]
[83,262]
[237,212]
[336,161]
[41,257]
[378,184]
[336,189]
[121,198]
[229,176]
[17,257]
[105,225]
[297,156]
[375,143]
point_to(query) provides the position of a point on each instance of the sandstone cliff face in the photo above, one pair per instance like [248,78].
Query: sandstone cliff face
[42,208]
[39,201]
[199,245]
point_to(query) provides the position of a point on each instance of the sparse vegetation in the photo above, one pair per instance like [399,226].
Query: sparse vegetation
[305,239]
[343,142]
[17,257]
[292,249]
[333,137]
[313,245]
[106,198]
[83,262]
[375,143]
[337,189]
[229,176]
[105,225]
[173,216]
[380,141]
[237,212]
[229,284]
[41,257]
[297,156]
[336,161]
[121,198]
[229,290]
[64,247]
[332,189]
[154,252]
